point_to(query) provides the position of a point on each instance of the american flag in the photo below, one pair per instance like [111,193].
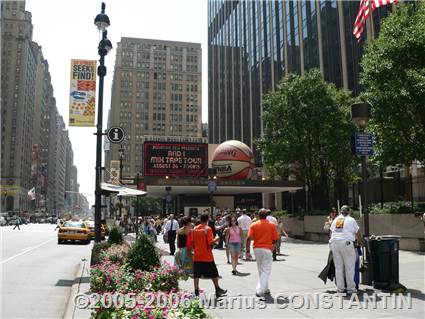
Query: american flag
[365,8]
[378,3]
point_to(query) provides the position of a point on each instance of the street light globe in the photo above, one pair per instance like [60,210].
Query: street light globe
[107,45]
[102,20]
[360,113]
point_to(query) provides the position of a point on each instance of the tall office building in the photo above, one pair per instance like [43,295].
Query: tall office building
[40,129]
[156,91]
[252,45]
[18,77]
[35,148]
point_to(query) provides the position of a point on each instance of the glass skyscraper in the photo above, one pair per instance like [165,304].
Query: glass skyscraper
[252,45]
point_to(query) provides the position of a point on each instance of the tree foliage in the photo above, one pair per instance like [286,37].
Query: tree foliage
[307,130]
[393,78]
[148,205]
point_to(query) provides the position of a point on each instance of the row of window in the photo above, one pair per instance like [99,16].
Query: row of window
[158,47]
[160,106]
[178,67]
[128,75]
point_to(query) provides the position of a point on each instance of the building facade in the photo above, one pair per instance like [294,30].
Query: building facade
[156,91]
[252,45]
[35,148]
[18,77]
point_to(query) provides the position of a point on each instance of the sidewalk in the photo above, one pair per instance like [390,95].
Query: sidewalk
[80,286]
[294,277]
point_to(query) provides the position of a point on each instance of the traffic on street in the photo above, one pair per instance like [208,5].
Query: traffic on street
[37,273]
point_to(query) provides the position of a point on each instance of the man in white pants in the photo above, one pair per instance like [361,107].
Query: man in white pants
[264,235]
[344,232]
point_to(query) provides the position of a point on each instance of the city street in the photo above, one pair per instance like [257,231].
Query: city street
[37,273]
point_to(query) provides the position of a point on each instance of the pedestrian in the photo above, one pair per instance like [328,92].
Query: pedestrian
[203,259]
[17,222]
[244,221]
[344,230]
[280,231]
[170,229]
[220,225]
[264,235]
[226,238]
[234,235]
[211,224]
[273,220]
[59,223]
[184,254]
[328,222]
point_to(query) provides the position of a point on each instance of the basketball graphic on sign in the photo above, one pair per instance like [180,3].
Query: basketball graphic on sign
[233,160]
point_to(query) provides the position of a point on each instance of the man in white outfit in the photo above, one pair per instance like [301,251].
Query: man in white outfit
[344,230]
[244,221]
[264,235]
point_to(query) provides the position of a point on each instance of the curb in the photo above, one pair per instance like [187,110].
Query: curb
[70,309]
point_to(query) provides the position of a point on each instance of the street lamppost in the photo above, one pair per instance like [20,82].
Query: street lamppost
[102,22]
[360,113]
[212,186]
[121,152]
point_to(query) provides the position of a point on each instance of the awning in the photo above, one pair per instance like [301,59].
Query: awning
[121,190]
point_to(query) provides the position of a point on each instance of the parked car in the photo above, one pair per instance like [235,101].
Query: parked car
[90,224]
[74,231]
[3,221]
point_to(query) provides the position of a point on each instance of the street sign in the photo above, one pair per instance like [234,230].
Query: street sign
[363,144]
[212,186]
[115,134]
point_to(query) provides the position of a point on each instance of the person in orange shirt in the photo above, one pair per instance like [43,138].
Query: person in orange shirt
[203,260]
[265,236]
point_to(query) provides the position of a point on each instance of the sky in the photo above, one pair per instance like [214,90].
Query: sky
[65,30]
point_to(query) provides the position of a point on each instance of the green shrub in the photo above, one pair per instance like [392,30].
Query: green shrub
[115,236]
[97,250]
[401,207]
[143,254]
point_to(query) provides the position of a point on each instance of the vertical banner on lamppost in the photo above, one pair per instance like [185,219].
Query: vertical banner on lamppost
[82,99]
[115,172]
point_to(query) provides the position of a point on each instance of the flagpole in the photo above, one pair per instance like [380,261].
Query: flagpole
[370,26]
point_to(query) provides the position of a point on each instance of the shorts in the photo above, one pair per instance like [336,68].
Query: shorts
[204,269]
[235,247]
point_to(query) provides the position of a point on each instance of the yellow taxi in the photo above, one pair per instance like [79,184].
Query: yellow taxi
[90,225]
[74,231]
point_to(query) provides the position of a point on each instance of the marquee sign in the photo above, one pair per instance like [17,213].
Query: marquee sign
[175,159]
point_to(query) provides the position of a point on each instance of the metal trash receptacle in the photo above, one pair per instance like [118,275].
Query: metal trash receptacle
[384,254]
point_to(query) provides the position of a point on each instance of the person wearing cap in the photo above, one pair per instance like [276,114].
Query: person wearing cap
[344,231]
[264,234]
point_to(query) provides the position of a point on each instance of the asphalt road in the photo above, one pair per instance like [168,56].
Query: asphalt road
[36,272]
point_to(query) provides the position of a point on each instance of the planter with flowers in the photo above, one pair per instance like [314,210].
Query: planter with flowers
[131,282]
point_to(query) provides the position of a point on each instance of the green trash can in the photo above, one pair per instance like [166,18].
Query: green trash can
[384,255]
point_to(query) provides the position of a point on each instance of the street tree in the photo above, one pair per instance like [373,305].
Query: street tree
[393,79]
[148,205]
[307,131]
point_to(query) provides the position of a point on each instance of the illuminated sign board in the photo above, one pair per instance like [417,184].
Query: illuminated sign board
[175,159]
